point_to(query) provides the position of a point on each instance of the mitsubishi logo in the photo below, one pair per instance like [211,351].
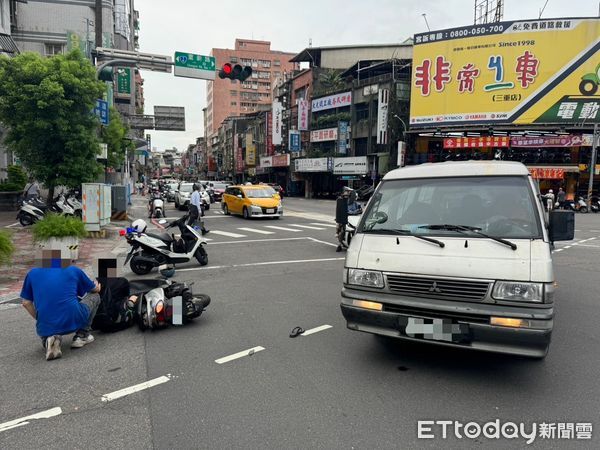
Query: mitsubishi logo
[434,288]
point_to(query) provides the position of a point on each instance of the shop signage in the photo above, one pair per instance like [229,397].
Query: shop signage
[294,143]
[276,114]
[476,142]
[382,116]
[547,173]
[239,160]
[332,101]
[518,72]
[355,165]
[587,140]
[342,137]
[329,134]
[313,165]
[275,161]
[250,150]
[303,115]
[269,122]
[544,141]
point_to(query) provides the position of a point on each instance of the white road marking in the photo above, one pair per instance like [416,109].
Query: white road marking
[595,231]
[332,225]
[316,330]
[587,245]
[132,389]
[254,230]
[249,352]
[245,241]
[13,225]
[306,226]
[274,227]
[227,233]
[323,242]
[559,250]
[25,420]
[265,263]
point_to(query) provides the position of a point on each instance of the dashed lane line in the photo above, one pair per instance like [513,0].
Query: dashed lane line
[228,234]
[25,420]
[308,227]
[274,227]
[238,355]
[332,225]
[316,330]
[255,230]
[132,389]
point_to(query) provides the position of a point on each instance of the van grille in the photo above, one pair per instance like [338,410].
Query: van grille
[438,287]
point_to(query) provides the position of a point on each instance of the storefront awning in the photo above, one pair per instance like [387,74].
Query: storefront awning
[7,45]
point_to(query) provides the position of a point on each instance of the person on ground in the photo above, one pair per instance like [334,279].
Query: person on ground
[62,299]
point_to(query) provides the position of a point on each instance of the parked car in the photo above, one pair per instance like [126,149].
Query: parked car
[252,201]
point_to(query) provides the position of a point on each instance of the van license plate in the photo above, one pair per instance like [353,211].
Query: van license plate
[270,211]
[434,329]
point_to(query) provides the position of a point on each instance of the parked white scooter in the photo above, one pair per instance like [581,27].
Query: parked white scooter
[149,250]
[158,208]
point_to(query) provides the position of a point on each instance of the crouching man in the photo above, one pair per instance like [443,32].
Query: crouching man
[62,299]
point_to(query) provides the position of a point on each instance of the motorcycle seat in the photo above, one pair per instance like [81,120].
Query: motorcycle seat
[165,237]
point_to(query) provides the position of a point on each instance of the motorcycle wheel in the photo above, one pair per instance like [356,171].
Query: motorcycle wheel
[201,256]
[79,214]
[26,220]
[583,209]
[158,214]
[207,206]
[139,267]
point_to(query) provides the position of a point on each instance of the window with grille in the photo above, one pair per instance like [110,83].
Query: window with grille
[53,49]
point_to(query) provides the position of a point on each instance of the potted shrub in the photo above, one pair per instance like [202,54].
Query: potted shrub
[56,232]
[7,248]
[12,188]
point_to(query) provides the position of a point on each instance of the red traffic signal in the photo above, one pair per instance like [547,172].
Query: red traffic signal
[236,72]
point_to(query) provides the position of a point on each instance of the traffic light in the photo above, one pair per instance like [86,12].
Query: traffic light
[236,72]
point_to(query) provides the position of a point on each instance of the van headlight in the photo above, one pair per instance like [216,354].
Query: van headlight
[368,278]
[518,291]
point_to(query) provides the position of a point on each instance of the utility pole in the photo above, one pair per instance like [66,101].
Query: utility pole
[592,167]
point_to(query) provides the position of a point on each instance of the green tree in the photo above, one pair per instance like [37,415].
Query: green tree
[47,105]
[115,136]
[331,80]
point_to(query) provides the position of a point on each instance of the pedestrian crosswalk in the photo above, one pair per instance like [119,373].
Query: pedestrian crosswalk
[267,230]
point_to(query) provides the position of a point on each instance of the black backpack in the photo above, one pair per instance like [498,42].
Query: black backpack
[113,313]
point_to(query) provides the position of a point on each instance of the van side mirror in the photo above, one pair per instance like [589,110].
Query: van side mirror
[561,225]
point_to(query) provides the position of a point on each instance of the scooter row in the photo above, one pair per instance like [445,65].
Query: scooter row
[35,209]
[581,205]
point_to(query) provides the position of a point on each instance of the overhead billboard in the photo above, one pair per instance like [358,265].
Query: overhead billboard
[520,72]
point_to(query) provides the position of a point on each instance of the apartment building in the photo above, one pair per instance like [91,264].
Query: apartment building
[231,98]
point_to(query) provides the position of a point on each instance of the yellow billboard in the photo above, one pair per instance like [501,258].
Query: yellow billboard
[250,150]
[521,72]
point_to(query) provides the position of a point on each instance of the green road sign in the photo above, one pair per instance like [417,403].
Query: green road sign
[194,66]
[124,80]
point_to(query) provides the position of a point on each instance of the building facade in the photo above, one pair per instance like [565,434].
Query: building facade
[230,98]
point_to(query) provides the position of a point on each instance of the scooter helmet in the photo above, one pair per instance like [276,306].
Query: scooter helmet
[139,225]
[167,271]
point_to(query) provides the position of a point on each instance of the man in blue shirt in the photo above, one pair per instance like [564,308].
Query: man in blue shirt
[51,293]
[196,209]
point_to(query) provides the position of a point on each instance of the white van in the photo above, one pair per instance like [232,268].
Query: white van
[458,254]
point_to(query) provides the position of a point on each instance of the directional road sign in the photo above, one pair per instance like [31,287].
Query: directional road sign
[194,66]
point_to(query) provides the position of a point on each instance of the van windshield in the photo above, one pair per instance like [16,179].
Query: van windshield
[500,206]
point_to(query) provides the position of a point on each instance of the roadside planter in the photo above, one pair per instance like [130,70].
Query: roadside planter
[55,232]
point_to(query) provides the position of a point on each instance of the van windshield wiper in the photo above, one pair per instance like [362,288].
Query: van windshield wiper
[465,228]
[404,233]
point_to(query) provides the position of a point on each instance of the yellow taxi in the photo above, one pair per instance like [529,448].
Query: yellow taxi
[252,201]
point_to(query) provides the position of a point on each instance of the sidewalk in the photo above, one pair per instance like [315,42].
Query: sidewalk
[90,249]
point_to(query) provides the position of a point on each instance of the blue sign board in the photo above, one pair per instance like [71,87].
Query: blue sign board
[294,141]
[342,137]
[101,110]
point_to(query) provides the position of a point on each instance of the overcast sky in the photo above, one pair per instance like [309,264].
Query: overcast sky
[198,26]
